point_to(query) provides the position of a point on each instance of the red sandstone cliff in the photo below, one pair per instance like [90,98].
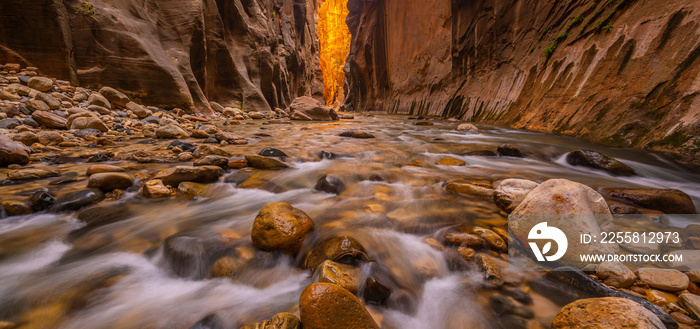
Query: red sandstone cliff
[621,72]
[171,53]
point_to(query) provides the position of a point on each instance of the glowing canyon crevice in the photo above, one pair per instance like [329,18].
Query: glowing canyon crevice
[334,36]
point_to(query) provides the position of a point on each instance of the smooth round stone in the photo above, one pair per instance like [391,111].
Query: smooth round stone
[326,305]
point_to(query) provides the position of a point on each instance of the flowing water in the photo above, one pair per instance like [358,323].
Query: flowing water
[57,273]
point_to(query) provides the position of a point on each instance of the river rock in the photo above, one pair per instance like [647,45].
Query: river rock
[340,249]
[110,181]
[89,123]
[204,150]
[37,105]
[212,160]
[325,305]
[279,321]
[138,110]
[50,137]
[375,292]
[664,279]
[346,276]
[468,128]
[175,176]
[493,240]
[171,131]
[49,119]
[230,138]
[256,115]
[26,137]
[99,109]
[578,208]
[615,274]
[281,227]
[607,312]
[469,189]
[16,208]
[261,162]
[423,123]
[691,302]
[361,134]
[78,199]
[330,184]
[272,152]
[99,100]
[50,101]
[30,174]
[41,200]
[510,151]
[511,192]
[102,168]
[156,189]
[40,83]
[308,109]
[668,201]
[12,152]
[10,123]
[595,160]
[464,239]
[116,97]
[450,161]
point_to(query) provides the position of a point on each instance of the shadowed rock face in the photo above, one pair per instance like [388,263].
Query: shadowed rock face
[630,82]
[171,53]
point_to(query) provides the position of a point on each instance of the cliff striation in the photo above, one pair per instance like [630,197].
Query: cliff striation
[620,72]
[171,53]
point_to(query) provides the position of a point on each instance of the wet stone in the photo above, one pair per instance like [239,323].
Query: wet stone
[330,184]
[78,199]
[272,152]
[281,227]
[510,151]
[340,249]
[41,200]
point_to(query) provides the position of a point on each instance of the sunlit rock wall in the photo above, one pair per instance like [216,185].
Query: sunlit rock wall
[335,46]
[620,72]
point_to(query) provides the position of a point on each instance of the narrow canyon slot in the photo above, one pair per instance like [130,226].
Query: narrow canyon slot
[335,45]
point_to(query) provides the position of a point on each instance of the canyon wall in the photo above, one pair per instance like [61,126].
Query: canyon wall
[619,72]
[171,53]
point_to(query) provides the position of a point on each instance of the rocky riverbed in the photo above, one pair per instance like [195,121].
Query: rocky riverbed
[119,215]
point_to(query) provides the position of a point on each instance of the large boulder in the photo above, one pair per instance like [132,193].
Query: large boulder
[607,312]
[12,152]
[281,227]
[326,305]
[175,176]
[668,201]
[571,207]
[510,192]
[595,160]
[308,109]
